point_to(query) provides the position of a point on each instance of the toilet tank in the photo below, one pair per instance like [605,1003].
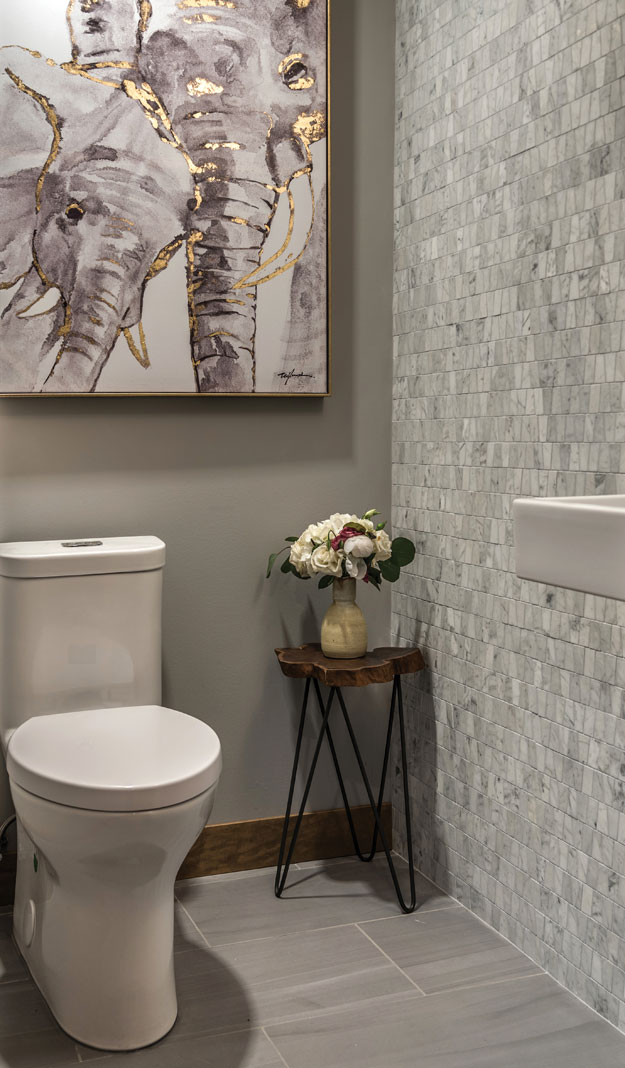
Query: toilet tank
[80,626]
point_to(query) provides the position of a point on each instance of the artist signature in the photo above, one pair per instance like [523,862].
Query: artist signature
[288,375]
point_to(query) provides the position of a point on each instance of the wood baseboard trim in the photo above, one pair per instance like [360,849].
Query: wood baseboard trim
[226,847]
[248,844]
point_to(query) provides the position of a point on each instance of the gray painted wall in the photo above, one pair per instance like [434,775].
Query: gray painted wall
[509,371]
[222,481]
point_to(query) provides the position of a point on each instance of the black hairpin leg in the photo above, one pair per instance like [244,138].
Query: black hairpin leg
[376,808]
[281,875]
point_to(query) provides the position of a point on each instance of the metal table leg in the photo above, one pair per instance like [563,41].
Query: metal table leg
[376,807]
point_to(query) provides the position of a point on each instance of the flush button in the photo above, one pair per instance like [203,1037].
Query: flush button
[80,544]
[28,925]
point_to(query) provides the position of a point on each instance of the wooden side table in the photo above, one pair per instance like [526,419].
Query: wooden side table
[382,665]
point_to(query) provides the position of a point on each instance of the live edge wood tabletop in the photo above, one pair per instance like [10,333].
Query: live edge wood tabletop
[380,665]
[386,664]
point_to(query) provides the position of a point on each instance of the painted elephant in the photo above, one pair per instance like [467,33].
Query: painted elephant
[92,205]
[241,88]
[234,95]
[244,85]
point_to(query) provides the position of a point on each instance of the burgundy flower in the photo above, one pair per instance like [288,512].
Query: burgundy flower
[343,535]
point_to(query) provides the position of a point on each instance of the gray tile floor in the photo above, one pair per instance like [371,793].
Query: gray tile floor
[331,976]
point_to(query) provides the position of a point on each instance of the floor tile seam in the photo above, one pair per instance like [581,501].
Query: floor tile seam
[450,991]
[281,934]
[486,983]
[193,923]
[409,995]
[274,1047]
[391,961]
[415,916]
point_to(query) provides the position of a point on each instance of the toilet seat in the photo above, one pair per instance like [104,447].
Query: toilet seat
[115,759]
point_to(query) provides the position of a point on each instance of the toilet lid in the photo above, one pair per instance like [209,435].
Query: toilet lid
[115,759]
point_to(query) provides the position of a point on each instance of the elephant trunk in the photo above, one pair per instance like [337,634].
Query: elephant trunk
[232,225]
[91,331]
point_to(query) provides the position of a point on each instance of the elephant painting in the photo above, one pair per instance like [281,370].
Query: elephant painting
[171,130]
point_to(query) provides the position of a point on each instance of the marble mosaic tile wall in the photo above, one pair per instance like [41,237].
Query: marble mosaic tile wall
[509,373]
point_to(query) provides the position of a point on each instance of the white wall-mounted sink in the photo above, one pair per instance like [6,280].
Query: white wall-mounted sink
[577,542]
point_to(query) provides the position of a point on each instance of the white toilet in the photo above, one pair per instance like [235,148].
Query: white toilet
[110,789]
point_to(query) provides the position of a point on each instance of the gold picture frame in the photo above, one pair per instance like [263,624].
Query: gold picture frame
[37,80]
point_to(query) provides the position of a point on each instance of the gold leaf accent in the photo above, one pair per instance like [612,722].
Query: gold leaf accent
[192,240]
[9,285]
[141,356]
[68,18]
[145,14]
[249,278]
[305,82]
[23,312]
[289,60]
[234,146]
[85,71]
[184,5]
[121,219]
[201,17]
[66,328]
[163,258]
[310,127]
[145,95]
[102,300]
[53,119]
[203,87]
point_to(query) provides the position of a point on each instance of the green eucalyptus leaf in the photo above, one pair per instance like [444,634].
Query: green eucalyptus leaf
[287,566]
[272,559]
[290,539]
[389,570]
[325,580]
[403,552]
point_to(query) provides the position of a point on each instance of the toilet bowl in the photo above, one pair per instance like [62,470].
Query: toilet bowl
[110,788]
[108,803]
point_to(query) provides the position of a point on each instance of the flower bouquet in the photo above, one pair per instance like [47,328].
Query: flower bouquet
[339,551]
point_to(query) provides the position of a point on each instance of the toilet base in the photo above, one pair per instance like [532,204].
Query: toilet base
[94,911]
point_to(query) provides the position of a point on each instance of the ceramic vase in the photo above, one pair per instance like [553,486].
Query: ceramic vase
[344,630]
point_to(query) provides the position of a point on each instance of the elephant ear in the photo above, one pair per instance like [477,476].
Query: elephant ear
[26,139]
[36,98]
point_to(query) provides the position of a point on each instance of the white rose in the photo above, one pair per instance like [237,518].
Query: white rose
[326,561]
[340,520]
[359,546]
[301,551]
[355,568]
[319,531]
[383,546]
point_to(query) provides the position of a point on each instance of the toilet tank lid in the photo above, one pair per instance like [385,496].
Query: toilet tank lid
[80,556]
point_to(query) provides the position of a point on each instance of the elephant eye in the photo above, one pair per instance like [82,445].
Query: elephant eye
[74,211]
[295,74]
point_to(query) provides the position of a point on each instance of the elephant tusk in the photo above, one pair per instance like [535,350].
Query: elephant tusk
[284,259]
[42,305]
[140,351]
